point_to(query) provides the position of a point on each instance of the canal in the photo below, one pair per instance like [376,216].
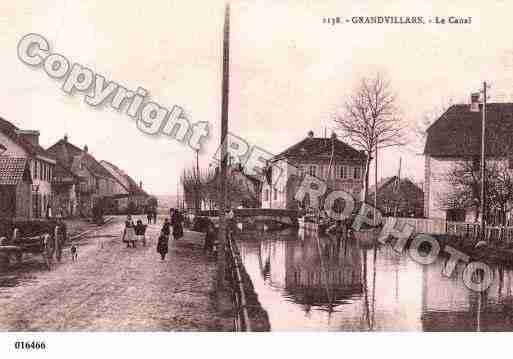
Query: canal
[306,282]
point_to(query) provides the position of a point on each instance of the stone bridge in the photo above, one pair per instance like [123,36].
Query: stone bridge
[285,216]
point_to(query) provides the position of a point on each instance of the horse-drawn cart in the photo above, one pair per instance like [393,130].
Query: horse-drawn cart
[38,237]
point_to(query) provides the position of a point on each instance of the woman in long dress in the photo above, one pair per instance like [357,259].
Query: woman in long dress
[176,222]
[129,232]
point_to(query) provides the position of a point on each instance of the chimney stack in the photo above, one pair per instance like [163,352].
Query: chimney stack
[65,138]
[86,149]
[31,136]
[310,134]
[140,184]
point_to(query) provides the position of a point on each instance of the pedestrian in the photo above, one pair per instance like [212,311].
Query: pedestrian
[210,237]
[129,232]
[155,216]
[166,228]
[230,219]
[176,222]
[140,232]
[149,217]
[162,246]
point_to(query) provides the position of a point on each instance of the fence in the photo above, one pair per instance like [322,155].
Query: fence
[242,322]
[460,229]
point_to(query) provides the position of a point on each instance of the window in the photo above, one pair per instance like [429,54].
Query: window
[275,194]
[266,195]
[344,172]
[301,170]
[510,163]
[476,164]
[357,172]
[312,170]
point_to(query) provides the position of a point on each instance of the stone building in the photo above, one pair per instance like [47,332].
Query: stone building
[15,188]
[456,137]
[25,144]
[399,197]
[95,183]
[312,156]
[129,197]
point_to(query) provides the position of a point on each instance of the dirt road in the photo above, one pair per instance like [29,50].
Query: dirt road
[115,288]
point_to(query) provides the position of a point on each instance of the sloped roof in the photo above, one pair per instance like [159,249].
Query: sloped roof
[10,131]
[318,146]
[133,188]
[457,133]
[117,173]
[66,152]
[13,170]
[390,181]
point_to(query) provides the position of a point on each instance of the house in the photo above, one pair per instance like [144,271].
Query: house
[95,183]
[456,137]
[15,188]
[398,197]
[25,144]
[65,191]
[129,196]
[312,156]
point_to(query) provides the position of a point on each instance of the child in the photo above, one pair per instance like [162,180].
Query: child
[129,233]
[162,246]
[140,230]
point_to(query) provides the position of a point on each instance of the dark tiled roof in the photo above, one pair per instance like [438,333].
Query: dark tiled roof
[391,181]
[320,146]
[65,152]
[11,131]
[12,170]
[457,133]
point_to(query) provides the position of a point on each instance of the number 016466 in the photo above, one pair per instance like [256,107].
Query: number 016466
[29,345]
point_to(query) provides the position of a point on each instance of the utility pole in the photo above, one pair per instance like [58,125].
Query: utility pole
[483,163]
[375,184]
[224,133]
[197,204]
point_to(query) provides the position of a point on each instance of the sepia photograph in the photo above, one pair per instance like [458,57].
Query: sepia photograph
[174,170]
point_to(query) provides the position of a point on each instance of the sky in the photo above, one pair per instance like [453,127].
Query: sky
[288,71]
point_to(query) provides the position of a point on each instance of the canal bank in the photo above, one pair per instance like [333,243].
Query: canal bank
[309,283]
[491,253]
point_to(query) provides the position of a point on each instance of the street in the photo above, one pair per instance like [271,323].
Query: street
[115,288]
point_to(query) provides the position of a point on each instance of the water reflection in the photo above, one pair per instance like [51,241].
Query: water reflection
[306,282]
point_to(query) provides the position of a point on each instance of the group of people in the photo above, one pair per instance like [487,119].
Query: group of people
[151,216]
[134,233]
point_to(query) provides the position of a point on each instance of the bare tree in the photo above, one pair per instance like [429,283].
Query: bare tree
[465,181]
[205,187]
[370,119]
[421,126]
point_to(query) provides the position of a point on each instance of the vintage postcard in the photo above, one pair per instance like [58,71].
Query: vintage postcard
[254,166]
